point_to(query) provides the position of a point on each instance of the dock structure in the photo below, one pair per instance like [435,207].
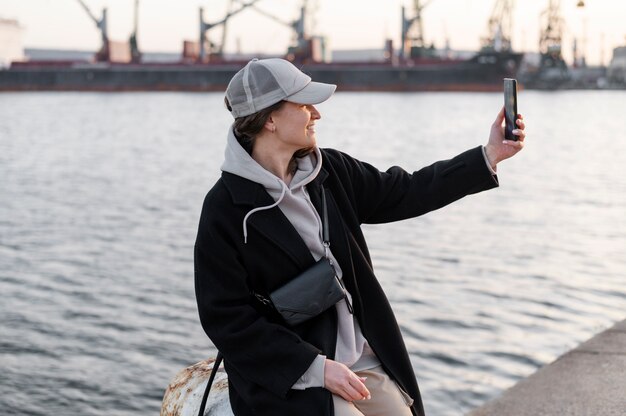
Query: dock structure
[589,380]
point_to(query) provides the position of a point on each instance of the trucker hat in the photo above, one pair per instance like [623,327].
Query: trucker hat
[264,82]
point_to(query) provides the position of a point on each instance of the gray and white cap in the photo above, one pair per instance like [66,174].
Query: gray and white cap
[264,82]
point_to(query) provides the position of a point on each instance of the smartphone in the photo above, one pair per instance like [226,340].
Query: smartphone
[510,108]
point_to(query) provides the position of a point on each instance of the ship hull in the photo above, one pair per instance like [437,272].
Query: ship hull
[481,73]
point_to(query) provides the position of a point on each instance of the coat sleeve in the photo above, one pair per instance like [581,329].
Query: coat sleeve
[394,195]
[263,352]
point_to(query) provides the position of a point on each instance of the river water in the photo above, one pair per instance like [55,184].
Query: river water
[99,202]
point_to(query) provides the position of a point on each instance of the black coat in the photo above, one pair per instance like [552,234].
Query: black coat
[262,356]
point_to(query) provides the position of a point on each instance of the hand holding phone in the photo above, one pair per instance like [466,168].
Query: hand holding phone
[510,108]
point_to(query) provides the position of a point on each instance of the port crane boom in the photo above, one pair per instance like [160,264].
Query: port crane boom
[135,53]
[204,27]
[552,71]
[412,39]
[220,48]
[100,23]
[299,51]
[499,27]
[551,29]
[298,25]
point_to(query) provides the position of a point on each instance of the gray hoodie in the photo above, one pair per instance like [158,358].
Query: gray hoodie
[352,348]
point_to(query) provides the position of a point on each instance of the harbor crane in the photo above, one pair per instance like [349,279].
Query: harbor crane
[499,27]
[297,25]
[551,35]
[215,50]
[101,24]
[135,53]
[412,39]
[301,49]
[115,51]
[552,71]
[220,48]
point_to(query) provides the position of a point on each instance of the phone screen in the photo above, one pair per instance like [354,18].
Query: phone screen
[510,108]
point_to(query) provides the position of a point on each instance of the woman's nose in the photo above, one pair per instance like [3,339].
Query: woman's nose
[314,113]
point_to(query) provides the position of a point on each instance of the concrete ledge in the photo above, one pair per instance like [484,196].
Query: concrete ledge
[587,381]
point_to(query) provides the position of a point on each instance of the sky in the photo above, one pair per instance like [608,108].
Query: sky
[346,24]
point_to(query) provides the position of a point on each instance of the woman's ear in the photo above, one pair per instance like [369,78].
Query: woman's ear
[270,125]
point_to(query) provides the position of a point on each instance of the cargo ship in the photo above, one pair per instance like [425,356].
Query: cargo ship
[203,66]
[483,72]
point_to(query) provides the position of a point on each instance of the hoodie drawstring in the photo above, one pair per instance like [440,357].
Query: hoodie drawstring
[245,228]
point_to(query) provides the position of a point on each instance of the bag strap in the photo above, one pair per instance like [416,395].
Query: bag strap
[216,364]
[326,242]
[325,232]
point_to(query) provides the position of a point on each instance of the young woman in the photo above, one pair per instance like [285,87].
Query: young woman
[261,226]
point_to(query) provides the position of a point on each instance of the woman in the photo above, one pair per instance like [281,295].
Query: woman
[260,227]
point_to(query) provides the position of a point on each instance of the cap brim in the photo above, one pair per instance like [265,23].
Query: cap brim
[313,93]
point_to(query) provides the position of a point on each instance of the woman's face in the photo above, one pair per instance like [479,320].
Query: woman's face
[295,125]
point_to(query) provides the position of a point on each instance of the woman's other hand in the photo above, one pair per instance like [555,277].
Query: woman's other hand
[340,380]
[497,148]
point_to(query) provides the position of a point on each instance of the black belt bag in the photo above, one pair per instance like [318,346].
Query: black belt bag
[312,291]
[308,294]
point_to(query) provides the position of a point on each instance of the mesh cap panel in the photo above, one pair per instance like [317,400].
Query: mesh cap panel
[252,89]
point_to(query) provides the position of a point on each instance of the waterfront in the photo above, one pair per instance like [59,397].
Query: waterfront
[99,201]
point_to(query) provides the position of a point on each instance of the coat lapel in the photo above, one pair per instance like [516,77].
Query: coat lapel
[271,223]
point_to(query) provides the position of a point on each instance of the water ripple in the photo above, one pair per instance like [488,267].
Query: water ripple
[100,200]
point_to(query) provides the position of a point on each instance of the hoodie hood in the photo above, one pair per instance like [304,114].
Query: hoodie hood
[238,162]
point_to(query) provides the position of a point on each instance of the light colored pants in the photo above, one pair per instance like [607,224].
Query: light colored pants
[387,398]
